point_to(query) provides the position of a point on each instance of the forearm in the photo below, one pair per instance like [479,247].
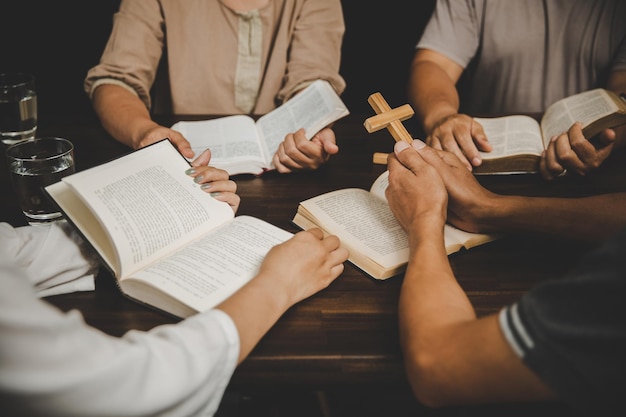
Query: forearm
[432,93]
[451,356]
[431,297]
[122,114]
[591,218]
[431,304]
[254,309]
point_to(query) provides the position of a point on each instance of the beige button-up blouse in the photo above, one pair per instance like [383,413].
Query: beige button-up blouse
[213,60]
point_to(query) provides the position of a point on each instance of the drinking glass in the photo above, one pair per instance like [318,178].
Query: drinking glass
[18,107]
[34,164]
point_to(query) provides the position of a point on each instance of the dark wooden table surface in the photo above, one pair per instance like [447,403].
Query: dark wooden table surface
[346,335]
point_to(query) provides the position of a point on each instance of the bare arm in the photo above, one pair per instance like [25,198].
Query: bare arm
[124,116]
[473,208]
[433,94]
[451,357]
[291,272]
[432,87]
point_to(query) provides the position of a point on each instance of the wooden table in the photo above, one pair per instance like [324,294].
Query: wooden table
[346,335]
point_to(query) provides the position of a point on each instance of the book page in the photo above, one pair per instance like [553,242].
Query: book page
[210,269]
[511,135]
[79,214]
[456,239]
[363,222]
[147,204]
[229,138]
[312,109]
[584,107]
[380,185]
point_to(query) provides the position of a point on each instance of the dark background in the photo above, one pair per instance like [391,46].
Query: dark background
[58,41]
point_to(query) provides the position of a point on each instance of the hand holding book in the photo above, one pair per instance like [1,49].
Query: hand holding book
[240,145]
[518,141]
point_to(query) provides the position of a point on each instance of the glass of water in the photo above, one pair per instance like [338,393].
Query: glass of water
[18,107]
[34,164]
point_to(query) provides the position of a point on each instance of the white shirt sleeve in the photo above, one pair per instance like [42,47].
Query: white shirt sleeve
[53,256]
[54,364]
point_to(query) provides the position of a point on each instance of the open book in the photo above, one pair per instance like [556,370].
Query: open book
[519,140]
[168,243]
[241,146]
[366,226]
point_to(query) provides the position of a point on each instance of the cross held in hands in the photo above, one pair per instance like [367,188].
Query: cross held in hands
[389,118]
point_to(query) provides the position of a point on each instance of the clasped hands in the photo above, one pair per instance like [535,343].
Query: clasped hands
[568,152]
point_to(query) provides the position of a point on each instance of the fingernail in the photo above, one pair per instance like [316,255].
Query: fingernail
[476,161]
[190,171]
[418,144]
[215,194]
[205,186]
[400,146]
[198,178]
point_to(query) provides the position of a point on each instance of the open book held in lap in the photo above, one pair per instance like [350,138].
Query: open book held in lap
[367,228]
[168,243]
[241,146]
[519,140]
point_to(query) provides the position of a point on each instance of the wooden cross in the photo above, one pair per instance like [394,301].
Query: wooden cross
[389,118]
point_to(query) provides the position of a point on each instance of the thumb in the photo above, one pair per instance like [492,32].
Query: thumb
[202,159]
[606,137]
[407,154]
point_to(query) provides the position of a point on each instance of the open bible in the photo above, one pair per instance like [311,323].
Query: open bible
[169,244]
[518,141]
[364,223]
[240,145]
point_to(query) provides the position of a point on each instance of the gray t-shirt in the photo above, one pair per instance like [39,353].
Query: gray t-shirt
[522,56]
[572,331]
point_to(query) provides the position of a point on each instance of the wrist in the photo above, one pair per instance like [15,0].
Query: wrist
[272,291]
[426,228]
[141,132]
[495,213]
[435,118]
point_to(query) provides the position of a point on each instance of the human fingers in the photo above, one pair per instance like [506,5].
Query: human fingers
[463,135]
[606,137]
[158,132]
[328,140]
[232,199]
[467,199]
[433,142]
[480,137]
[415,192]
[216,182]
[311,154]
[183,145]
[203,159]
[281,162]
[448,143]
[203,174]
[305,264]
[588,154]
[455,134]
[297,153]
[549,165]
